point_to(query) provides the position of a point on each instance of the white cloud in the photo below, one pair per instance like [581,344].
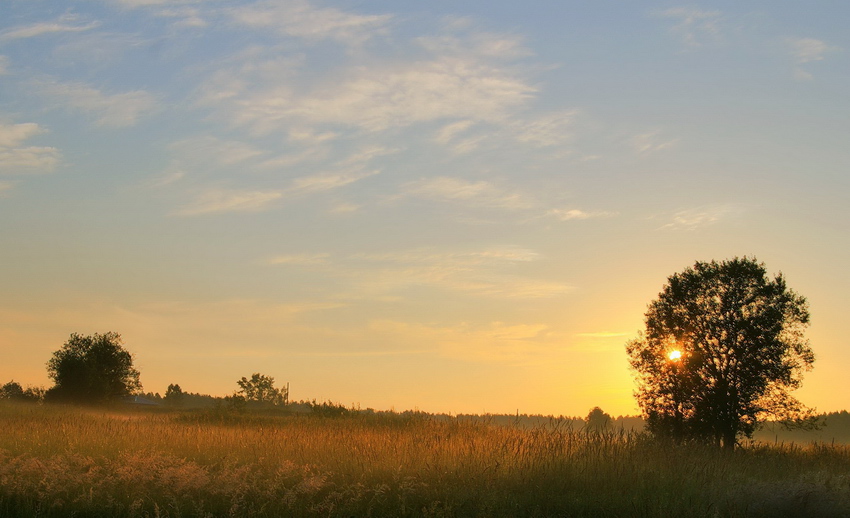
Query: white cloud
[378,99]
[310,137]
[223,200]
[12,135]
[187,16]
[481,193]
[209,151]
[552,129]
[165,179]
[647,143]
[491,256]
[300,259]
[344,208]
[576,214]
[603,335]
[694,26]
[147,3]
[448,132]
[692,219]
[288,160]
[30,159]
[366,155]
[486,273]
[808,50]
[17,158]
[487,342]
[299,19]
[328,181]
[115,110]
[481,44]
[38,29]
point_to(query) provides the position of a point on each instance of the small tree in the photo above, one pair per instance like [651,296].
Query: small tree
[261,389]
[12,390]
[92,369]
[722,350]
[174,395]
[15,392]
[597,420]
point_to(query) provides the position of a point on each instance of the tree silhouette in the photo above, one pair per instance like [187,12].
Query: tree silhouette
[15,392]
[597,420]
[92,369]
[174,395]
[261,389]
[722,350]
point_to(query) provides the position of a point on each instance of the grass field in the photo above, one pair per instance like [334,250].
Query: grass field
[58,461]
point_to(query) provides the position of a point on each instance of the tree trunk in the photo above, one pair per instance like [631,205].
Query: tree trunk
[729,438]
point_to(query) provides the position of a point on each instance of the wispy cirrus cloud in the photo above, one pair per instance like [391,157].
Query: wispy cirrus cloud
[694,26]
[206,156]
[18,158]
[692,219]
[808,50]
[493,272]
[230,200]
[115,110]
[552,129]
[298,18]
[485,273]
[490,256]
[395,96]
[578,214]
[488,342]
[456,137]
[63,24]
[483,44]
[328,181]
[208,151]
[481,193]
[300,259]
[651,142]
[603,334]
[185,16]
[13,135]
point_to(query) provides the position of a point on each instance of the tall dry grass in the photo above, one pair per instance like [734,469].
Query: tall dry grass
[57,461]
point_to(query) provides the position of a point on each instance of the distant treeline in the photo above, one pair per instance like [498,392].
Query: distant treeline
[834,426]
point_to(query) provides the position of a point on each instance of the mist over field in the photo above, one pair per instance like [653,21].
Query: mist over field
[337,258]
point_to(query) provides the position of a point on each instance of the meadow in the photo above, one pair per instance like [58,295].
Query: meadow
[67,461]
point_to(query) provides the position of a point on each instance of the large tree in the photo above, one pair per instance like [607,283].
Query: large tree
[722,350]
[92,369]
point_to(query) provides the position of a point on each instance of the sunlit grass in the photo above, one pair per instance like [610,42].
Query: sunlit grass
[57,461]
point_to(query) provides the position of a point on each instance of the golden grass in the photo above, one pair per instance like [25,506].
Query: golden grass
[58,461]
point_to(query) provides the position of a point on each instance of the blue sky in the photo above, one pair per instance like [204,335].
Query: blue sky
[453,207]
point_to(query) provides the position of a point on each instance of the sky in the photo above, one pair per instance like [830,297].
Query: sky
[458,207]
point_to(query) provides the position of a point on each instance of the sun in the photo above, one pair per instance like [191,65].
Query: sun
[675,355]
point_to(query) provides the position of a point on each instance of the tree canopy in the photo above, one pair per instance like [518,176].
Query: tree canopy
[597,420]
[92,369]
[15,392]
[174,395]
[723,348]
[260,389]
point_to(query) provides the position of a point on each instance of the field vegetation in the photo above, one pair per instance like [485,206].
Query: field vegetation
[124,462]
